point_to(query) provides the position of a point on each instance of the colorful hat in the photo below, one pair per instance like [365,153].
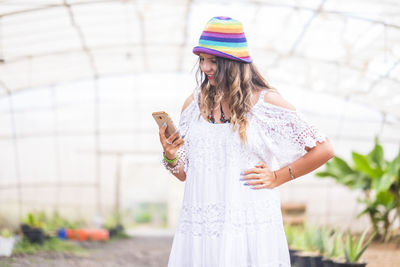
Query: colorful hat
[224,37]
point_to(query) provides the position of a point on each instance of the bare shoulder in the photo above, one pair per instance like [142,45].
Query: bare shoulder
[274,98]
[187,102]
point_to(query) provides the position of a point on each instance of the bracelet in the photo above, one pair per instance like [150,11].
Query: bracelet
[291,173]
[170,160]
[174,169]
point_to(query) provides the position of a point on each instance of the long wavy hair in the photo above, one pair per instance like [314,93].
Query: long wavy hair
[236,81]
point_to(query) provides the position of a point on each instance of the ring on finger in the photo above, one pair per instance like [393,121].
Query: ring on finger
[168,142]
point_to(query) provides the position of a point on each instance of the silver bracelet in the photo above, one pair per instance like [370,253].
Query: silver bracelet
[291,173]
[174,169]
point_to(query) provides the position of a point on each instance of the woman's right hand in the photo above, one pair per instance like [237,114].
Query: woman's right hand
[170,144]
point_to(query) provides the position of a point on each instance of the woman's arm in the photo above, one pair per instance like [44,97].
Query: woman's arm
[170,150]
[171,146]
[314,158]
[261,177]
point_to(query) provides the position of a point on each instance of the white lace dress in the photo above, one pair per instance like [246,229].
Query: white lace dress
[224,223]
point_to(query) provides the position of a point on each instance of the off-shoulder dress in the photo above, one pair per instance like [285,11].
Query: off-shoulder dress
[224,223]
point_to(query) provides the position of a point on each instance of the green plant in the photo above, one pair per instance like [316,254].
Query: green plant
[143,217]
[299,240]
[290,236]
[379,180]
[49,245]
[294,236]
[321,235]
[314,239]
[308,242]
[120,235]
[55,221]
[113,220]
[353,248]
[115,226]
[50,223]
[35,220]
[154,213]
[334,246]
[6,233]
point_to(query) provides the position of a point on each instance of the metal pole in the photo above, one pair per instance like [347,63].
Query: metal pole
[16,154]
[118,188]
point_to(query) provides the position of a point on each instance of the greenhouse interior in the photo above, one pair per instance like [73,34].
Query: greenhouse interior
[79,80]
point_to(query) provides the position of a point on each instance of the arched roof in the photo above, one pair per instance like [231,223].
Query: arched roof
[343,48]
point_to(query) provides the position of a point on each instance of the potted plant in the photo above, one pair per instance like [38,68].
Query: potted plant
[32,228]
[294,236]
[379,179]
[353,249]
[7,242]
[313,247]
[57,225]
[333,249]
[114,225]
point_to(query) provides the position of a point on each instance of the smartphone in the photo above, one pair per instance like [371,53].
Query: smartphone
[161,117]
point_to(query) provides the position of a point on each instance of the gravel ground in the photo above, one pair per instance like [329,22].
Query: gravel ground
[133,252]
[154,252]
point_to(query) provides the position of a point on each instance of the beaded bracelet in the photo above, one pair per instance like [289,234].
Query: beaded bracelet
[174,169]
[170,160]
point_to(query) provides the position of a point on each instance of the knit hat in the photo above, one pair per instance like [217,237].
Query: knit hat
[224,37]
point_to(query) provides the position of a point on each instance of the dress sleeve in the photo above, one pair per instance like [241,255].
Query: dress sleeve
[183,128]
[286,132]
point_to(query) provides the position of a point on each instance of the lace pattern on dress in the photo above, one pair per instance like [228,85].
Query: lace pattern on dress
[217,218]
[184,125]
[287,129]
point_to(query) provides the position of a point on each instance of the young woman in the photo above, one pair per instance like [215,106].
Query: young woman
[238,141]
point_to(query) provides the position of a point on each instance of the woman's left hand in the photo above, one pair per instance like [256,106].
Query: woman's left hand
[259,177]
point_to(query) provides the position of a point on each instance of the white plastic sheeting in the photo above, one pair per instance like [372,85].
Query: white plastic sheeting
[347,48]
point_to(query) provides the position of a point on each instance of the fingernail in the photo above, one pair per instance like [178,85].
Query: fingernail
[164,124]
[242,173]
[241,179]
[246,183]
[183,136]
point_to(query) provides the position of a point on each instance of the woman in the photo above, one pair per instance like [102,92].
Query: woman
[242,141]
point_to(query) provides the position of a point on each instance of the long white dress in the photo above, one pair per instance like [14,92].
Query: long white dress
[224,223]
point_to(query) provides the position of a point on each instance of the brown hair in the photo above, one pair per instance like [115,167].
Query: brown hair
[236,80]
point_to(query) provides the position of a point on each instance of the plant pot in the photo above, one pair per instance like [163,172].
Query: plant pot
[114,231]
[33,234]
[292,253]
[302,260]
[98,234]
[349,264]
[306,259]
[77,234]
[62,233]
[7,245]
[327,262]
[87,234]
[316,261]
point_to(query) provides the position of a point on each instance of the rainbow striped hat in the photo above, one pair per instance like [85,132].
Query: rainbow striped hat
[224,37]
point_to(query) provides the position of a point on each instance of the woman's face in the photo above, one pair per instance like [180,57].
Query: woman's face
[208,65]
